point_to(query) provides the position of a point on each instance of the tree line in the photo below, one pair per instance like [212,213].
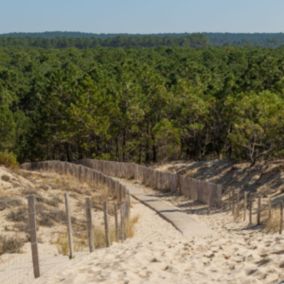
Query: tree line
[89,40]
[143,105]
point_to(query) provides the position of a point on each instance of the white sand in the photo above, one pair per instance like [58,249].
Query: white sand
[159,254]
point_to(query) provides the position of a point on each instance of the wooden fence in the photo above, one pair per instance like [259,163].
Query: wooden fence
[257,209]
[198,190]
[82,173]
[93,177]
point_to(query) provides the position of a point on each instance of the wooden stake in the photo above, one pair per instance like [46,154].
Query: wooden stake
[117,237]
[69,225]
[237,205]
[209,199]
[233,202]
[258,210]
[90,224]
[245,205]
[269,208]
[33,236]
[281,218]
[250,209]
[122,222]
[107,239]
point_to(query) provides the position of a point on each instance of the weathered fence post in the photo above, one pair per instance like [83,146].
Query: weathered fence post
[269,208]
[90,224]
[107,239]
[33,236]
[236,204]
[250,209]
[258,210]
[127,206]
[116,223]
[233,202]
[122,222]
[69,225]
[245,205]
[281,218]
[209,203]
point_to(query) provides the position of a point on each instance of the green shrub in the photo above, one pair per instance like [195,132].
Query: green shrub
[8,160]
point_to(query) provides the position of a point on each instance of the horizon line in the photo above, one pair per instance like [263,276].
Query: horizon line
[126,33]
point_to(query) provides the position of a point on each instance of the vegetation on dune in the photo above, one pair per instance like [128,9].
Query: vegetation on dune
[8,160]
[143,105]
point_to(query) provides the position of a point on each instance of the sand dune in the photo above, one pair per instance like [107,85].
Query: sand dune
[160,254]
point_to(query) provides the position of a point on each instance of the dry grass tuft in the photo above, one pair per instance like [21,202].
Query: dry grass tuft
[9,202]
[11,244]
[130,226]
[272,225]
[48,217]
[62,244]
[80,242]
[19,215]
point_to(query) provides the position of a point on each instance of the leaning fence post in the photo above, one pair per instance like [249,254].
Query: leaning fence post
[116,223]
[90,224]
[281,218]
[106,224]
[69,225]
[258,209]
[245,205]
[33,236]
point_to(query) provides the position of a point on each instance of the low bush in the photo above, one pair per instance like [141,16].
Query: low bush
[8,160]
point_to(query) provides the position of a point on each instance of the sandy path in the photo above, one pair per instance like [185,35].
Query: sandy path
[160,254]
[148,257]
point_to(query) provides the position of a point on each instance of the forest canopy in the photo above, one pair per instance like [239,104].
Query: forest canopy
[142,104]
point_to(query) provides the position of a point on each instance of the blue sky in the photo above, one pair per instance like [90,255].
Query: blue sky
[142,16]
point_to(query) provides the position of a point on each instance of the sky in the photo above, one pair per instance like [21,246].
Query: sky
[142,16]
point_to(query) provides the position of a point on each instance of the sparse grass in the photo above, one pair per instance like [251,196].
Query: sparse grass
[19,215]
[47,217]
[272,225]
[80,239]
[9,202]
[100,241]
[130,226]
[11,244]
[54,201]
[8,160]
[61,243]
